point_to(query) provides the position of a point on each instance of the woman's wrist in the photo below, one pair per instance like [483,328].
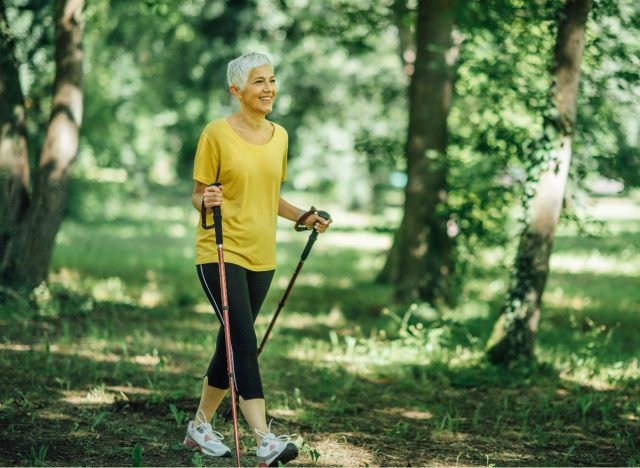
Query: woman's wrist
[300,213]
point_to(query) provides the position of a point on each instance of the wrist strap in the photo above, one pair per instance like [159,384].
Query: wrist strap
[299,225]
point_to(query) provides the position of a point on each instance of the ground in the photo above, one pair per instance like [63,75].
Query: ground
[103,365]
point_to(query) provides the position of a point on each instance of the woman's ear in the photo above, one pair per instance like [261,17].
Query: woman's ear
[235,91]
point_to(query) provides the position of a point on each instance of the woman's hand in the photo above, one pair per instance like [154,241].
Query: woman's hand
[317,222]
[212,196]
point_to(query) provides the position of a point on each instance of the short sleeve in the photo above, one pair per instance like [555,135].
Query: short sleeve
[205,168]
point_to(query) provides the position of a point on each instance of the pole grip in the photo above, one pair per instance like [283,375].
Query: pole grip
[217,219]
[307,248]
[313,237]
[324,214]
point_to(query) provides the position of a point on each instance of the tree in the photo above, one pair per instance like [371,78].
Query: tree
[419,263]
[14,159]
[29,233]
[514,334]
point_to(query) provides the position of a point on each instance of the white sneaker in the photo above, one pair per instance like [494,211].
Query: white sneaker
[205,439]
[275,449]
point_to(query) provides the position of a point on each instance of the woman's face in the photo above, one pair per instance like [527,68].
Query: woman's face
[259,92]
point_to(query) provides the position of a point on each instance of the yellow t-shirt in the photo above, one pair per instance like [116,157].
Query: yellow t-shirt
[251,176]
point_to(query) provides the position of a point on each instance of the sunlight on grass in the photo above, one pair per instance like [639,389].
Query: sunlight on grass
[486,290]
[128,389]
[369,356]
[614,209]
[557,297]
[301,321]
[600,377]
[15,347]
[54,416]
[337,447]
[68,278]
[111,289]
[410,414]
[96,396]
[308,279]
[594,262]
[364,241]
[474,310]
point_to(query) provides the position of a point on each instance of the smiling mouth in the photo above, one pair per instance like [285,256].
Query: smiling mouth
[266,99]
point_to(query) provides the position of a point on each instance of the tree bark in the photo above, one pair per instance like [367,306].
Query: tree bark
[26,260]
[14,157]
[513,336]
[419,262]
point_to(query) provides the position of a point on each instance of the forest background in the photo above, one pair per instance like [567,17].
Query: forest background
[102,359]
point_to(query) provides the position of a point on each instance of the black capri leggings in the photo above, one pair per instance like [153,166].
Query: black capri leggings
[246,291]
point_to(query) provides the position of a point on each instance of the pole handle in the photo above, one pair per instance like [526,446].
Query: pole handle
[324,214]
[313,237]
[217,218]
[299,224]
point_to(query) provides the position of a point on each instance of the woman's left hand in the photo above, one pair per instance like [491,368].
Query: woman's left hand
[317,222]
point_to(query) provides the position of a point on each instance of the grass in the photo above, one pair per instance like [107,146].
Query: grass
[103,365]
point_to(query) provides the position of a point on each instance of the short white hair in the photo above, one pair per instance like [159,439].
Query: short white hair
[239,68]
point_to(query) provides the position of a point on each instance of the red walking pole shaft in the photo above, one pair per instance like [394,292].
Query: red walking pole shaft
[217,224]
[227,341]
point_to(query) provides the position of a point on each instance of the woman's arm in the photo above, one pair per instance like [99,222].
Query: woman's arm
[288,211]
[293,213]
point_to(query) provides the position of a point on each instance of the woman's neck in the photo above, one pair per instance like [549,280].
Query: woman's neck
[252,120]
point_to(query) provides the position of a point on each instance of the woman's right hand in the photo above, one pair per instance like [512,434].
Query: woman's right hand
[212,196]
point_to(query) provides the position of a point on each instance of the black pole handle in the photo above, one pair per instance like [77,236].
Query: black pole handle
[324,215]
[217,218]
[313,237]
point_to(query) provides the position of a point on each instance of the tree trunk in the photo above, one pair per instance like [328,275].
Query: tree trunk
[514,334]
[14,158]
[28,254]
[419,262]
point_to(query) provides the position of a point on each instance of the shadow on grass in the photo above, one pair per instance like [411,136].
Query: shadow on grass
[449,411]
[441,414]
[400,414]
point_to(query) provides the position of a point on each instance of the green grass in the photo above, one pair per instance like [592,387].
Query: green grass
[103,365]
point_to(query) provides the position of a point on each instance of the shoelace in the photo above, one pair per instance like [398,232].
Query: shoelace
[270,436]
[207,426]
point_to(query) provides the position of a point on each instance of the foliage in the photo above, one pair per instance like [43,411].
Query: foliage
[136,456]
[31,23]
[608,134]
[177,414]
[118,336]
[156,73]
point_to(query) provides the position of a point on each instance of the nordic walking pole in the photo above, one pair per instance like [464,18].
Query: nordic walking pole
[217,224]
[303,257]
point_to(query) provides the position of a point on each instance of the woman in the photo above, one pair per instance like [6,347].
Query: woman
[247,154]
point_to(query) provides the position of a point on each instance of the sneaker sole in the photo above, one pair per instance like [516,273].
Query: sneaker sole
[194,445]
[289,453]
